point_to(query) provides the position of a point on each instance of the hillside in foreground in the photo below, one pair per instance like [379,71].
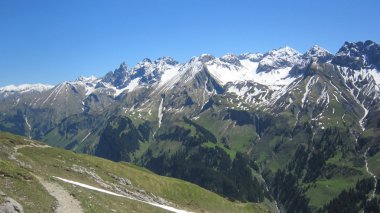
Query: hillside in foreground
[38,178]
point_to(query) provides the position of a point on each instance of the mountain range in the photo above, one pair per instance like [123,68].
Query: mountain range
[299,130]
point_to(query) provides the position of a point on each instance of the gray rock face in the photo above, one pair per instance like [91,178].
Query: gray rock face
[278,59]
[11,206]
[232,59]
[358,55]
[122,181]
[317,53]
[117,77]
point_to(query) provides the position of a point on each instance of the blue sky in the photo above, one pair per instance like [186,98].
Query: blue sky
[52,41]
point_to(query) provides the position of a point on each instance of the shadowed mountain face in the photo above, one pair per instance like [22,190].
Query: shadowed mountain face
[305,123]
[358,55]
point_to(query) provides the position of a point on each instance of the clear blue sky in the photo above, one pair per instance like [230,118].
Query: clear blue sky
[51,41]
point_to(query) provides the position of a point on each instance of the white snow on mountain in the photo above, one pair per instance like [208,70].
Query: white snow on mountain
[166,72]
[317,51]
[248,72]
[25,88]
[270,69]
[231,68]
[224,72]
[375,74]
[89,79]
[280,58]
[169,74]
[251,56]
[248,93]
[133,84]
[89,83]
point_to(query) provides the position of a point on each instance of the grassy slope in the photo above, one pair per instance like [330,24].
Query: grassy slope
[23,187]
[18,183]
[372,135]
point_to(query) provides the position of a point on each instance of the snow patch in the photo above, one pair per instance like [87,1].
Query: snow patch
[324,99]
[307,90]
[290,103]
[344,71]
[29,127]
[85,137]
[160,114]
[361,121]
[132,85]
[51,93]
[169,74]
[225,73]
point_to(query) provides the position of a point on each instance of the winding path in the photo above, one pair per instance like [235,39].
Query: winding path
[169,208]
[65,202]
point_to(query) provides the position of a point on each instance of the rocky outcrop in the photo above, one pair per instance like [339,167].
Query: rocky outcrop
[9,205]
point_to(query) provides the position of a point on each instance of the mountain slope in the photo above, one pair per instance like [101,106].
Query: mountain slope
[28,167]
[239,125]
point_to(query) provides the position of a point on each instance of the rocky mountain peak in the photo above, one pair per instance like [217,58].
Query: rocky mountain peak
[279,59]
[166,60]
[254,57]
[118,76]
[144,64]
[145,61]
[204,58]
[318,53]
[123,67]
[358,55]
[231,59]
[87,79]
[284,52]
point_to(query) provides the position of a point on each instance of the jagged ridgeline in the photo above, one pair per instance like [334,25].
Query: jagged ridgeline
[299,131]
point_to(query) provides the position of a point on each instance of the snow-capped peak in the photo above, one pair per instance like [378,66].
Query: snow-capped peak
[284,52]
[88,79]
[279,58]
[160,63]
[26,88]
[231,59]
[204,58]
[254,57]
[165,60]
[358,55]
[317,51]
[145,63]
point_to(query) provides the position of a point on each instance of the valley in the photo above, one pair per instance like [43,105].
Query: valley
[276,131]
